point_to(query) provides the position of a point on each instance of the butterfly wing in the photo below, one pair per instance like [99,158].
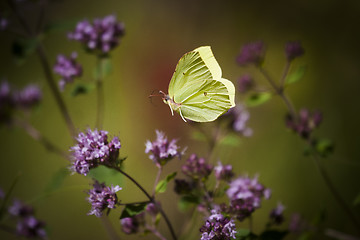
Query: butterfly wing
[196,65]
[204,100]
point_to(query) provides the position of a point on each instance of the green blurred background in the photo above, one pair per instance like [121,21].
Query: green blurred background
[158,33]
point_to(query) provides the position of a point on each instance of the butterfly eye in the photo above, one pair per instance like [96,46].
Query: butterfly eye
[205,94]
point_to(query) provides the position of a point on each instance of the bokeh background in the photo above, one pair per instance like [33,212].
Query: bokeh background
[158,33]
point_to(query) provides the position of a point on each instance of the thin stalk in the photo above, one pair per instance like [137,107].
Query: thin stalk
[47,69]
[335,193]
[155,232]
[36,135]
[100,94]
[133,203]
[152,199]
[109,228]
[157,180]
[285,73]
[250,223]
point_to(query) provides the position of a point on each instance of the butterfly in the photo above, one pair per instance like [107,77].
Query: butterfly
[196,90]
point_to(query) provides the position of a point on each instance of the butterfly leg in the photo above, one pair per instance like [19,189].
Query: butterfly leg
[182,115]
[172,112]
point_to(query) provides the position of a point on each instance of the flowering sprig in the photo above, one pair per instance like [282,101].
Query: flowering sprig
[217,227]
[67,68]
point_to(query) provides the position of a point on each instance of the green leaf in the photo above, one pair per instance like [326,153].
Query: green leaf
[82,88]
[357,200]
[162,185]
[132,210]
[57,179]
[199,136]
[103,69]
[107,175]
[23,47]
[257,99]
[324,147]
[187,201]
[60,26]
[245,234]
[297,75]
[231,140]
[273,235]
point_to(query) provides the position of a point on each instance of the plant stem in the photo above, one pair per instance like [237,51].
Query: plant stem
[285,73]
[47,70]
[157,180]
[100,94]
[335,193]
[152,199]
[321,170]
[36,135]
[109,228]
[155,232]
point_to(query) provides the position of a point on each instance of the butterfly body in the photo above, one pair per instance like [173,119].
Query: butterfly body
[196,90]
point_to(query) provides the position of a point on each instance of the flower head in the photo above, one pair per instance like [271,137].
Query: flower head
[67,68]
[239,117]
[305,123]
[4,22]
[223,172]
[251,53]
[102,197]
[28,97]
[161,149]
[92,149]
[293,50]
[31,227]
[218,227]
[245,83]
[2,193]
[276,215]
[245,194]
[18,209]
[183,186]
[101,35]
[6,101]
[131,225]
[196,168]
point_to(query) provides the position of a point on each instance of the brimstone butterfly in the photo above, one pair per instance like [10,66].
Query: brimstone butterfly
[196,90]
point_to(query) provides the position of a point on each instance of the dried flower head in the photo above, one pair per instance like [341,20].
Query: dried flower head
[305,123]
[92,149]
[161,150]
[102,35]
[276,215]
[67,68]
[293,50]
[102,197]
[196,168]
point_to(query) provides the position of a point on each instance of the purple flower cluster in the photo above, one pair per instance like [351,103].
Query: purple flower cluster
[27,226]
[11,99]
[245,195]
[251,53]
[239,117]
[28,97]
[3,23]
[218,227]
[276,215]
[161,149]
[131,225]
[196,168]
[102,34]
[305,123]
[102,197]
[223,172]
[92,149]
[245,83]
[67,68]
[293,50]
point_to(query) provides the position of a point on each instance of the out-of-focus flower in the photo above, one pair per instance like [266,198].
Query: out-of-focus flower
[102,197]
[223,172]
[196,168]
[239,117]
[4,22]
[131,225]
[297,224]
[161,149]
[92,149]
[28,97]
[218,227]
[30,227]
[6,101]
[245,83]
[67,68]
[101,35]
[152,209]
[183,186]
[245,195]
[18,209]
[276,215]
[2,193]
[293,50]
[251,53]
[305,123]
